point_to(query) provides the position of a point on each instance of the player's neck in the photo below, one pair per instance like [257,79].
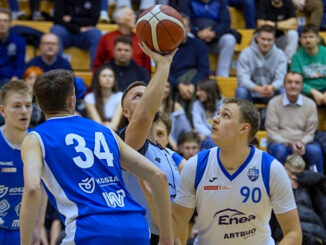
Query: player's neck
[234,157]
[13,135]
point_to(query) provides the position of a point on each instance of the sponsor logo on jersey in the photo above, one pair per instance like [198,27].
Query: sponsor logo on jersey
[16,191]
[4,206]
[216,187]
[108,180]
[114,199]
[15,223]
[17,208]
[8,170]
[3,190]
[232,217]
[1,221]
[87,185]
[253,174]
[6,164]
[240,234]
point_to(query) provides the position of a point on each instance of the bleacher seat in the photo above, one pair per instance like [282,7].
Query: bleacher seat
[262,139]
[227,85]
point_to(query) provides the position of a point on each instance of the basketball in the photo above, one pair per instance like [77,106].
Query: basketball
[161,28]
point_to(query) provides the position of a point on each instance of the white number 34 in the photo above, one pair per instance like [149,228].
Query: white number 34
[88,160]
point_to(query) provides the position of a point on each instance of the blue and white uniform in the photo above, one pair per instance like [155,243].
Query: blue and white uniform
[162,158]
[234,208]
[11,191]
[82,176]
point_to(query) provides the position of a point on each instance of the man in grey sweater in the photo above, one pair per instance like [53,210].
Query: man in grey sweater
[261,68]
[291,122]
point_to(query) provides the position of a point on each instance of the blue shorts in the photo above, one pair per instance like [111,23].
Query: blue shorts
[9,237]
[117,229]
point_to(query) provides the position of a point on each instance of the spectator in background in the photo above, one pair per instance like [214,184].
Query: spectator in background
[177,114]
[30,76]
[103,104]
[281,15]
[16,14]
[75,23]
[189,144]
[313,8]
[190,64]
[310,62]
[49,58]
[248,9]
[125,68]
[12,50]
[291,122]
[210,21]
[261,68]
[209,101]
[125,18]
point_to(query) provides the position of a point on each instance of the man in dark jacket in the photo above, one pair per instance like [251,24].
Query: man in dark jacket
[75,22]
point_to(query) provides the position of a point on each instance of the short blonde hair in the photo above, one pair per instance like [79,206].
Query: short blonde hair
[296,161]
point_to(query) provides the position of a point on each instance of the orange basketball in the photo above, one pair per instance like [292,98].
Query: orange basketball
[161,28]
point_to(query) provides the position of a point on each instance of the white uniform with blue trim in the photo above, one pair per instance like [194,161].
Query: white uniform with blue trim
[234,208]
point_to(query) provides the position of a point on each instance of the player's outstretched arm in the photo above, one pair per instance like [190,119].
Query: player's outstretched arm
[290,224]
[140,166]
[32,196]
[141,121]
[180,219]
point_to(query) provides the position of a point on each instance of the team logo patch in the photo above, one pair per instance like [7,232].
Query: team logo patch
[87,185]
[3,190]
[253,174]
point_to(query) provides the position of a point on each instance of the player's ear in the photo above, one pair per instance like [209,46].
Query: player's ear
[2,110]
[245,128]
[126,113]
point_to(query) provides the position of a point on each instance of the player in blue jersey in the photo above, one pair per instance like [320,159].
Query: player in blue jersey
[16,108]
[234,186]
[140,103]
[78,162]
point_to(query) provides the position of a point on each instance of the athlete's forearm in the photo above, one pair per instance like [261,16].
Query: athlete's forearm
[292,238]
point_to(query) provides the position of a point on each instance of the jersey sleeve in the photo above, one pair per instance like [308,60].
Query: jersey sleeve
[280,188]
[186,194]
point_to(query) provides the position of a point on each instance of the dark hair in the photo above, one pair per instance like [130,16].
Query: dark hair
[292,73]
[15,86]
[168,103]
[164,118]
[7,12]
[96,87]
[254,142]
[249,114]
[213,94]
[52,90]
[310,28]
[123,39]
[189,136]
[266,28]
[131,86]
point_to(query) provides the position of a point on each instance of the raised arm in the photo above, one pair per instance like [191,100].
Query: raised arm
[32,196]
[141,167]
[141,121]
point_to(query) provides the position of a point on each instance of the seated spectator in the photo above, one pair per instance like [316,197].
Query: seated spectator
[16,14]
[313,8]
[209,101]
[310,62]
[30,76]
[143,4]
[125,18]
[210,21]
[103,104]
[309,194]
[175,111]
[74,24]
[125,68]
[189,144]
[190,64]
[291,122]
[261,68]
[12,50]
[49,58]
[281,15]
[248,9]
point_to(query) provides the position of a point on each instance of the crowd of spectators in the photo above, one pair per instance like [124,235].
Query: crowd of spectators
[290,81]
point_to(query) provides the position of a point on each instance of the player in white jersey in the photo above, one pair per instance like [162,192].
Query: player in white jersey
[234,186]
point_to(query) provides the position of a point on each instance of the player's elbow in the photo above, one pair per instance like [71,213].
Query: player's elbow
[160,177]
[32,188]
